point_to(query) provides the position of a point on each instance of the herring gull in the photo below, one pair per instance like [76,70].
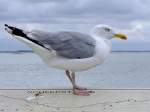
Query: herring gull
[70,51]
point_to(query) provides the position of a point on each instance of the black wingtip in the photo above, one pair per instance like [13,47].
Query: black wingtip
[6,25]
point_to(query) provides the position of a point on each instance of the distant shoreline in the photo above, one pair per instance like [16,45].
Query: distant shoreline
[19,51]
[30,51]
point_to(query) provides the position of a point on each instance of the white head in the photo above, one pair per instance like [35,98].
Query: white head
[106,32]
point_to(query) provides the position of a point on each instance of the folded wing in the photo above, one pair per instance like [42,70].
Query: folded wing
[71,45]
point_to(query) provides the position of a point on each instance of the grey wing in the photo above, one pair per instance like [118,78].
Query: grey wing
[71,45]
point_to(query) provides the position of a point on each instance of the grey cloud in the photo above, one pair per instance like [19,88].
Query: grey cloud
[40,1]
[78,15]
[122,12]
[56,10]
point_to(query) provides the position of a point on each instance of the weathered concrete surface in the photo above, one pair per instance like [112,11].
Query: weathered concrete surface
[64,101]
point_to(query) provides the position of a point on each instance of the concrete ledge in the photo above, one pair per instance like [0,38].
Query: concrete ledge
[62,100]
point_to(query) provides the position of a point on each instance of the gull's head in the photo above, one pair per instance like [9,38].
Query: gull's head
[107,32]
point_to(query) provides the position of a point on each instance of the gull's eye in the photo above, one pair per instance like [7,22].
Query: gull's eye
[107,29]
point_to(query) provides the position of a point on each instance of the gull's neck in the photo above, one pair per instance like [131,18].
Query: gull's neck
[101,39]
[107,41]
[98,38]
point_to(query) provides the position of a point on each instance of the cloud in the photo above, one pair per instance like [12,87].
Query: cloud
[48,10]
[131,16]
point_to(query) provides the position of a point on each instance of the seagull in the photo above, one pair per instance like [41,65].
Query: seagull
[69,50]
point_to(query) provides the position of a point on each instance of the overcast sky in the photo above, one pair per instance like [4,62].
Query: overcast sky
[129,16]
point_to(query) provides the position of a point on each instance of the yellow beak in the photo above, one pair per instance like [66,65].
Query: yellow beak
[121,36]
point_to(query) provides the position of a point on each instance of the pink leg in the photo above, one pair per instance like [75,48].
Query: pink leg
[69,75]
[76,89]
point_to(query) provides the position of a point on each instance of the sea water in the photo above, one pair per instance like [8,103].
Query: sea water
[128,70]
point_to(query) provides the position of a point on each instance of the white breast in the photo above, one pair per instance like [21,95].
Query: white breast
[103,49]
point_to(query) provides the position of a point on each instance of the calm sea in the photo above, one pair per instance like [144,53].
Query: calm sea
[120,70]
